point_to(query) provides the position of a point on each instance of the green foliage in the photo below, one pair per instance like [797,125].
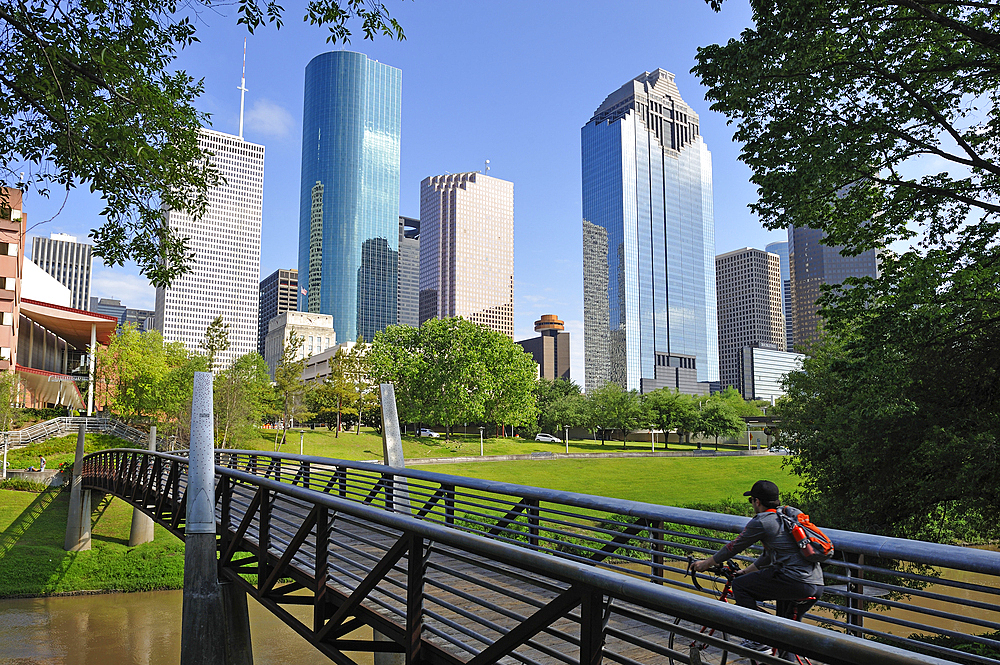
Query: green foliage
[243,395]
[876,123]
[452,371]
[60,450]
[288,384]
[216,340]
[22,485]
[91,96]
[668,409]
[611,407]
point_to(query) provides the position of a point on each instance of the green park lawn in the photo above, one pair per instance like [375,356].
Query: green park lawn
[61,449]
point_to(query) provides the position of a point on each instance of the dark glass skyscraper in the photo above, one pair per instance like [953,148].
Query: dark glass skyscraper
[649,240]
[349,199]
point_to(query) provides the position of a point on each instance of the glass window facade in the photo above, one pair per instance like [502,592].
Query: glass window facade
[647,185]
[349,197]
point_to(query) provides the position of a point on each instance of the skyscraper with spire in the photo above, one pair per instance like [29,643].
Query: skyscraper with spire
[349,196]
[225,268]
[649,242]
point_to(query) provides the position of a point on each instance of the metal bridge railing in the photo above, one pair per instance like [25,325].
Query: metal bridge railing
[494,556]
[70,425]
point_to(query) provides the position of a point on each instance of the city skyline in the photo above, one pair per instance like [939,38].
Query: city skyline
[455,124]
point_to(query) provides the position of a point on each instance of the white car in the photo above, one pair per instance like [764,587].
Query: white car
[428,432]
[547,438]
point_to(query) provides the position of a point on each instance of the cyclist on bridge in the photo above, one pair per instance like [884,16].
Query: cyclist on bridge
[781,572]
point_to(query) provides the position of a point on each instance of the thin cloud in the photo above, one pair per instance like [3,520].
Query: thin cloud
[131,288]
[269,119]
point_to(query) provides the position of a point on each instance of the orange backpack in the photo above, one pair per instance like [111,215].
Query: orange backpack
[814,545]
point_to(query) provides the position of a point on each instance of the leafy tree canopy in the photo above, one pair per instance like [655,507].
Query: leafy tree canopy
[89,96]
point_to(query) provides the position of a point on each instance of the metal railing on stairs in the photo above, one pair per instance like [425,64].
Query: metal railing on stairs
[70,425]
[452,567]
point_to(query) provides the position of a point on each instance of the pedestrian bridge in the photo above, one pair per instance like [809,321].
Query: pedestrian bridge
[455,570]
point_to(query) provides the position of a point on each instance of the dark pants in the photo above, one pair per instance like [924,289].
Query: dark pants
[768,584]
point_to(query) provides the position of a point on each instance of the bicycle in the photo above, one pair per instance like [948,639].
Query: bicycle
[713,654]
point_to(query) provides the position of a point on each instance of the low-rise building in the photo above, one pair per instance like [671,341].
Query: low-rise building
[315,329]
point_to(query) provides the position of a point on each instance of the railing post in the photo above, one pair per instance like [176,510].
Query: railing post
[449,503]
[392,451]
[142,525]
[656,533]
[414,600]
[591,627]
[321,571]
[532,512]
[856,605]
[78,522]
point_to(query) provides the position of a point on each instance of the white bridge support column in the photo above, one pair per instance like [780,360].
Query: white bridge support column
[392,453]
[209,631]
[78,520]
[142,524]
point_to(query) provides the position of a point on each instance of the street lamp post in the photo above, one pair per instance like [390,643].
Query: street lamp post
[566,437]
[481,430]
[302,434]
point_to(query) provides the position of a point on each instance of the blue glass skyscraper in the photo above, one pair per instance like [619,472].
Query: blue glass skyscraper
[649,242]
[349,200]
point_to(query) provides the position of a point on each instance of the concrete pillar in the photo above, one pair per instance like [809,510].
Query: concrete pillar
[90,374]
[392,453]
[202,616]
[78,521]
[238,648]
[142,524]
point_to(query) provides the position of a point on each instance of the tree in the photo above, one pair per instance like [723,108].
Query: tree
[667,409]
[548,393]
[451,371]
[131,369]
[720,417]
[567,411]
[612,407]
[242,393]
[288,384]
[876,123]
[216,341]
[89,95]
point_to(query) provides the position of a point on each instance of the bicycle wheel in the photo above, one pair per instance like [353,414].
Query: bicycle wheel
[710,654]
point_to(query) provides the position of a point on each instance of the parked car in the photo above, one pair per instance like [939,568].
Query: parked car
[547,438]
[429,432]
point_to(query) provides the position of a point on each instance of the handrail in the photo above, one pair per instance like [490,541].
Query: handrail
[598,536]
[67,425]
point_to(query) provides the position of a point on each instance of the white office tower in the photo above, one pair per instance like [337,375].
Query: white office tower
[225,271]
[67,260]
[467,250]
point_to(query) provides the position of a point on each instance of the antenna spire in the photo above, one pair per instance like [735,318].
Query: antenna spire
[243,85]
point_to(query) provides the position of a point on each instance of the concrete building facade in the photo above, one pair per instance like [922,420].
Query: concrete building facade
[781,249]
[813,264]
[316,330]
[750,309]
[67,260]
[12,229]
[649,239]
[225,270]
[550,349]
[142,319]
[763,368]
[279,293]
[467,249]
[408,284]
[349,196]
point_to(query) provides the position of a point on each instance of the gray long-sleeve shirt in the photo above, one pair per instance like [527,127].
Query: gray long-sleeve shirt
[780,549]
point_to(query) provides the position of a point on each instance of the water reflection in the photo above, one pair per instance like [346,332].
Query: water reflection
[139,628]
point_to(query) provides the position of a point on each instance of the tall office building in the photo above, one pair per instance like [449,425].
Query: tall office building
[781,249]
[749,289]
[649,240]
[408,282]
[467,249]
[225,270]
[279,293]
[349,198]
[550,349]
[68,261]
[813,264]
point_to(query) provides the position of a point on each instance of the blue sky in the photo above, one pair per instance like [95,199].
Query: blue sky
[512,82]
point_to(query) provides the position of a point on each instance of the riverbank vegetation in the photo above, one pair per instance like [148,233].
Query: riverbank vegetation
[33,562]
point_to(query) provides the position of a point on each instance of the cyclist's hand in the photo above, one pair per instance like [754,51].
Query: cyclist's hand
[701,565]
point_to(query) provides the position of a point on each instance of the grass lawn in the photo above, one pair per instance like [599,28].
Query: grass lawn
[669,481]
[368,445]
[33,563]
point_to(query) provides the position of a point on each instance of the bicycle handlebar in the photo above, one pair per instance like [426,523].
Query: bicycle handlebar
[727,570]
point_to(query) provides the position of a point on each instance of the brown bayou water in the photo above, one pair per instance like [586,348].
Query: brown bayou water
[126,629]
